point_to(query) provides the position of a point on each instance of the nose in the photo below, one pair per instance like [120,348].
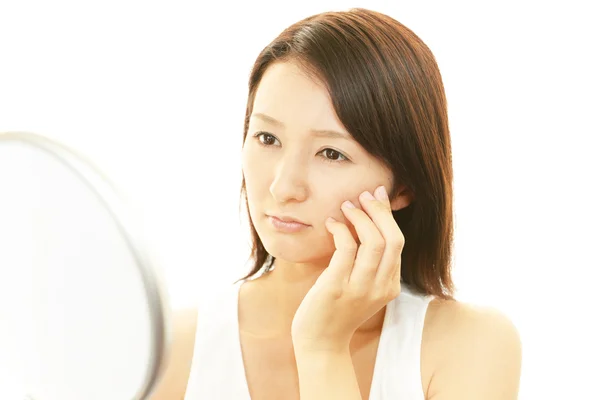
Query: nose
[289,182]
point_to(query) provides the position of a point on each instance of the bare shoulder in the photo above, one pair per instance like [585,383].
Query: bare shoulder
[174,378]
[473,352]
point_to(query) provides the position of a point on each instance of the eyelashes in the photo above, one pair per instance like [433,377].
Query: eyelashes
[331,152]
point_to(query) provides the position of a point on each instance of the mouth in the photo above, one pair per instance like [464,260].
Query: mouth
[289,226]
[287,220]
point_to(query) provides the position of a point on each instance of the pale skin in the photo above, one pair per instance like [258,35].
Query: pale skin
[359,281]
[318,315]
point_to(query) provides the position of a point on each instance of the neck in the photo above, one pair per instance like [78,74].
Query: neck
[285,287]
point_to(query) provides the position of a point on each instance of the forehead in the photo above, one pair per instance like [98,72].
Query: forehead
[290,95]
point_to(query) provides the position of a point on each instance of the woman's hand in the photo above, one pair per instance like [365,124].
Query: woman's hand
[359,281]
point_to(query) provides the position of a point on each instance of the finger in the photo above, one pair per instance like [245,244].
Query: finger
[370,251]
[342,261]
[390,267]
[380,212]
[381,194]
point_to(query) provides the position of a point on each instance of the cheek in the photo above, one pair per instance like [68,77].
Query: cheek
[251,166]
[338,214]
[341,194]
[246,158]
[335,204]
[334,209]
[256,177]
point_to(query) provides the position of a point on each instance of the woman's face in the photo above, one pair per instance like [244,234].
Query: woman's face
[299,161]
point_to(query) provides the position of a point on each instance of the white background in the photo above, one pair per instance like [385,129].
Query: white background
[154,92]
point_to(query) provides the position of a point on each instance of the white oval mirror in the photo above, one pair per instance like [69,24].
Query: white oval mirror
[88,315]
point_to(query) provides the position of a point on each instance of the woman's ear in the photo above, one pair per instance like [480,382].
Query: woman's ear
[402,200]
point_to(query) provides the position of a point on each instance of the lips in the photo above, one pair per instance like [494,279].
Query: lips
[288,219]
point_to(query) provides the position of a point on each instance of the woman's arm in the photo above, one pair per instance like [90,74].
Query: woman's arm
[326,374]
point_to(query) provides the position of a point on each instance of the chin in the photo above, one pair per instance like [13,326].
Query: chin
[294,250]
[287,247]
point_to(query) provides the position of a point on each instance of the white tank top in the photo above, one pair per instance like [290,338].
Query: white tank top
[217,370]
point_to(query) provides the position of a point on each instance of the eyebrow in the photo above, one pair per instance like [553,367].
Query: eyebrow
[316,132]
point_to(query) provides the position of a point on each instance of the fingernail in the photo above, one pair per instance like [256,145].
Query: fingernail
[348,204]
[367,196]
[381,193]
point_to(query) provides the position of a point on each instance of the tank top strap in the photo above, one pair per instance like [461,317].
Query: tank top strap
[399,363]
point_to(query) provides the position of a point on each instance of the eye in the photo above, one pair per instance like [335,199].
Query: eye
[334,156]
[331,155]
[268,138]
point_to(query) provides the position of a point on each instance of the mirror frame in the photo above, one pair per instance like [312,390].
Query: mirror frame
[114,203]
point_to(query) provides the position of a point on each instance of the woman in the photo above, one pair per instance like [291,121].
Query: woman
[346,109]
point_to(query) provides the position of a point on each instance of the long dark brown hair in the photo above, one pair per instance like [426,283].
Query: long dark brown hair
[387,91]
